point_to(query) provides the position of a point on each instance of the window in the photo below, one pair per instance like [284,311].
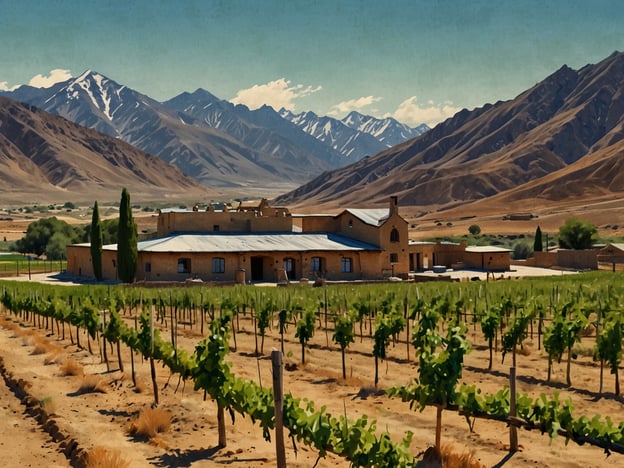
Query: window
[394,258]
[345,265]
[218,265]
[350,223]
[216,228]
[289,264]
[394,235]
[184,265]
[316,264]
[148,267]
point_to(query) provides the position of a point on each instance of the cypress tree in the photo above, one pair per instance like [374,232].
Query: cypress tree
[96,238]
[537,245]
[126,241]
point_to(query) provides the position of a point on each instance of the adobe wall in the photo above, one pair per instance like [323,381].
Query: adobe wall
[492,261]
[79,262]
[422,256]
[448,254]
[578,259]
[227,221]
[544,259]
[163,266]
[326,223]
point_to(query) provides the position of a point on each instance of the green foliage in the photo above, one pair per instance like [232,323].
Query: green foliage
[212,373]
[474,229]
[515,333]
[96,239]
[47,235]
[537,243]
[577,234]
[609,346]
[126,241]
[490,323]
[343,331]
[521,250]
[554,340]
[305,330]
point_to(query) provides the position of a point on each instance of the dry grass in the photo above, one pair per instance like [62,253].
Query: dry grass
[41,347]
[55,357]
[71,367]
[465,459]
[524,351]
[93,384]
[446,457]
[100,457]
[150,422]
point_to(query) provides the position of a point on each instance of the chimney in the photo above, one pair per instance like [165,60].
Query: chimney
[394,205]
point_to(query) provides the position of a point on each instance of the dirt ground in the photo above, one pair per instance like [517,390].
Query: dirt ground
[89,420]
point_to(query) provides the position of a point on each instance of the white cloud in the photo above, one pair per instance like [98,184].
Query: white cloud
[358,104]
[4,86]
[277,94]
[412,113]
[55,76]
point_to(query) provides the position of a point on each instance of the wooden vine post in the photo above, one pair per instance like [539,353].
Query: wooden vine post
[278,398]
[151,358]
[513,430]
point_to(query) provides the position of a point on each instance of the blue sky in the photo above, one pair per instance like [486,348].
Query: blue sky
[419,61]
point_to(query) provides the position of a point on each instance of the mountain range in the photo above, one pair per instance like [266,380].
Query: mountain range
[558,144]
[45,158]
[560,140]
[220,144]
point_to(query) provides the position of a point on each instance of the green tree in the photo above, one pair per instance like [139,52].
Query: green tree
[537,243]
[474,229]
[40,233]
[577,234]
[56,248]
[110,228]
[126,241]
[95,234]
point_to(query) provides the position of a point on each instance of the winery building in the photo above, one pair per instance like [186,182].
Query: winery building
[257,242]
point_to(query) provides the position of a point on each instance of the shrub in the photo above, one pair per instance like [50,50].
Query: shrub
[100,457]
[93,384]
[71,367]
[474,229]
[150,422]
[521,251]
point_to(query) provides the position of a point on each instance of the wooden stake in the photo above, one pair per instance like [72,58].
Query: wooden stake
[513,430]
[278,397]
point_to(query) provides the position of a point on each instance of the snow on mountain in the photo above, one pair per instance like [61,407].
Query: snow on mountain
[388,130]
[351,143]
[215,141]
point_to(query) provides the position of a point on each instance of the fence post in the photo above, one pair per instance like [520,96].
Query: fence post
[278,398]
[513,430]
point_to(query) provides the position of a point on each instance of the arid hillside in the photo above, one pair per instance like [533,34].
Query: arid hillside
[555,147]
[45,158]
